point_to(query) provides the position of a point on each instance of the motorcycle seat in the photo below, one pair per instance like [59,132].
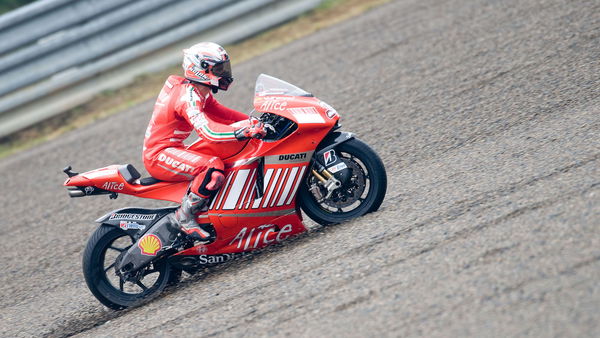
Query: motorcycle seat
[130,175]
[149,180]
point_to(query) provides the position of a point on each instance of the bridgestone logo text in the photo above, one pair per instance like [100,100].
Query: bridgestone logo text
[133,217]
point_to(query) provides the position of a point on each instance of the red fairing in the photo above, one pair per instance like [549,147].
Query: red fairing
[243,219]
[109,178]
[253,190]
[253,234]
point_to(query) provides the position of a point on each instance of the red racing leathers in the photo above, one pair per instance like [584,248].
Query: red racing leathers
[180,109]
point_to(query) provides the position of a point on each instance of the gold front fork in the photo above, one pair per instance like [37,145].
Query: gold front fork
[330,183]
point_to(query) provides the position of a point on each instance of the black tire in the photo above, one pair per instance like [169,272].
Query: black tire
[174,276]
[98,276]
[372,169]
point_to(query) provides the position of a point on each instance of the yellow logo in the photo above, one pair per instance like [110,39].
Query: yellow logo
[150,245]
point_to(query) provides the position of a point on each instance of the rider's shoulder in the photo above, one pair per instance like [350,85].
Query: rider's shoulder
[175,81]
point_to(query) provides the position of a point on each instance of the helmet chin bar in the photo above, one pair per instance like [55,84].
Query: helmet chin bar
[224,82]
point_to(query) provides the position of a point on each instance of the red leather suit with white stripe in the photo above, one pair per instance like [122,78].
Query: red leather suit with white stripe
[180,109]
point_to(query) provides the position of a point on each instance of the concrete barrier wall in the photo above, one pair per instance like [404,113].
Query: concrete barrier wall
[57,54]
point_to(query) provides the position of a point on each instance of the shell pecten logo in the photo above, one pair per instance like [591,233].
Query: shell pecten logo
[150,245]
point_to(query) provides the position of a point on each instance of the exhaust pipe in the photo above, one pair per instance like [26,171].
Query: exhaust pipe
[75,192]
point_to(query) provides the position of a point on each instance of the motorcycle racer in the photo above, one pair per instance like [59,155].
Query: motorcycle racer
[186,104]
[306,164]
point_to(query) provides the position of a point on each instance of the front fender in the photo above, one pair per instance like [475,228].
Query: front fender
[134,221]
[331,141]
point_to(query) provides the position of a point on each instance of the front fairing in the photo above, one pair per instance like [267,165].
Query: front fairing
[315,118]
[276,96]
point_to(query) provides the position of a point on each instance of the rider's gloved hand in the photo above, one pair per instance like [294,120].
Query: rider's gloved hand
[255,129]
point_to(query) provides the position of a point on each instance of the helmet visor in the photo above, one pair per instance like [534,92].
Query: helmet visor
[222,69]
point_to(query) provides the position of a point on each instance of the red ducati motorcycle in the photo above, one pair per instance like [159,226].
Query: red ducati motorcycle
[303,163]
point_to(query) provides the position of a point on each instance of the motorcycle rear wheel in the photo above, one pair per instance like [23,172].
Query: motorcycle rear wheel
[102,249]
[362,194]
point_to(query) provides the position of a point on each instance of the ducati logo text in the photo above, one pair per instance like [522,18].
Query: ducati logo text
[301,156]
[175,164]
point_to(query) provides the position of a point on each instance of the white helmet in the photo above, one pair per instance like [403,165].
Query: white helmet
[207,63]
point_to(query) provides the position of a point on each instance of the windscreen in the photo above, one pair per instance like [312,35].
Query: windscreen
[267,85]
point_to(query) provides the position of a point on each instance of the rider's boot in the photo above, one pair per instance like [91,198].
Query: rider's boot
[195,202]
[185,216]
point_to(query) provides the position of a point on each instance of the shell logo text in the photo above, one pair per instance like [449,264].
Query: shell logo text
[150,245]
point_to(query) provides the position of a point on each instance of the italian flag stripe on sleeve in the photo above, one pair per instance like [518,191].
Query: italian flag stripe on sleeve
[217,135]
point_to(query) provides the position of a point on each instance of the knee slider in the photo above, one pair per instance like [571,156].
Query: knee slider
[213,180]
[216,180]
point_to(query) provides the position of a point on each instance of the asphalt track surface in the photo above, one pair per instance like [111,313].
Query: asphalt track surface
[487,116]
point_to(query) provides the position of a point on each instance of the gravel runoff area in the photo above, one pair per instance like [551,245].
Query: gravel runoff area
[487,116]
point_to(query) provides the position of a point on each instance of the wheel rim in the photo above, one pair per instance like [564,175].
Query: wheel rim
[149,277]
[351,195]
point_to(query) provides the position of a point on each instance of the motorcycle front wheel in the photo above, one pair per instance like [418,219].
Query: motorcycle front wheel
[362,193]
[103,248]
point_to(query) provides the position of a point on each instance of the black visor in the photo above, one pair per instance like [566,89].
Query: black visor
[222,69]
